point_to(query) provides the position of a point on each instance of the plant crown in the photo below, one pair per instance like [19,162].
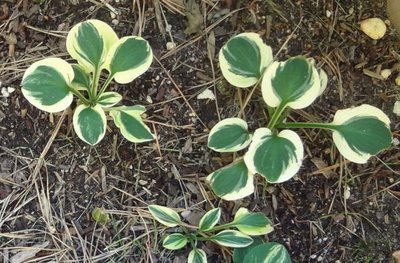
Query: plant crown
[274,151]
[51,83]
[247,224]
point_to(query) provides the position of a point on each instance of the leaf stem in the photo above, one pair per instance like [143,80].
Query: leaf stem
[95,83]
[105,85]
[220,227]
[312,125]
[275,117]
[80,96]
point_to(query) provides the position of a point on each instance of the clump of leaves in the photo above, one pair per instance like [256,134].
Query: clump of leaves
[51,83]
[274,151]
[235,234]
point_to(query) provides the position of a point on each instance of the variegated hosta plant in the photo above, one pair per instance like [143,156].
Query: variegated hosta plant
[246,224]
[274,151]
[50,84]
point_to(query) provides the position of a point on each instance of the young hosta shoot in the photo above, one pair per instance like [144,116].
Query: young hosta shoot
[50,84]
[275,152]
[247,224]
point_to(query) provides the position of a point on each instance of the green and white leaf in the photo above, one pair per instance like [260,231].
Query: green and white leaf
[244,58]
[276,157]
[210,219]
[323,78]
[270,252]
[294,82]
[81,79]
[197,255]
[89,42]
[229,135]
[109,99]
[165,215]
[129,121]
[90,123]
[361,132]
[232,238]
[129,58]
[252,224]
[240,252]
[232,182]
[175,241]
[46,84]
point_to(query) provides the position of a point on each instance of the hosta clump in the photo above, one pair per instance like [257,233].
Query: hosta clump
[50,84]
[246,224]
[274,151]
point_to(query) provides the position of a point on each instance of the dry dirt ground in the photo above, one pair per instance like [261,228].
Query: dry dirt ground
[50,181]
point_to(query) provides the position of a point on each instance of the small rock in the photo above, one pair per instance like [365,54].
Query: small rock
[396,108]
[385,73]
[171,46]
[375,28]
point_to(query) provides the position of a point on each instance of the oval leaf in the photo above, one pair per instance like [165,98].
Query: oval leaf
[90,123]
[165,215]
[109,99]
[175,241]
[129,121]
[81,79]
[232,182]
[210,219]
[197,256]
[270,252]
[100,216]
[232,238]
[252,223]
[244,58]
[240,252]
[229,135]
[89,42]
[276,157]
[294,82]
[361,132]
[46,84]
[129,58]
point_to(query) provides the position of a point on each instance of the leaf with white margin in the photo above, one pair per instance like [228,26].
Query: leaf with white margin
[109,99]
[129,58]
[251,223]
[81,79]
[396,108]
[244,58]
[165,215]
[276,157]
[197,255]
[294,82]
[361,132]
[232,238]
[240,252]
[270,252]
[46,84]
[89,42]
[323,78]
[229,135]
[129,121]
[210,219]
[232,182]
[175,241]
[89,123]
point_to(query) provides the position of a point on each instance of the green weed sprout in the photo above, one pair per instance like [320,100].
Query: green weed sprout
[51,83]
[246,224]
[274,151]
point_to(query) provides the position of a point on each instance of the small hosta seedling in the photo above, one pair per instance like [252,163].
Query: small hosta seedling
[247,224]
[51,83]
[274,151]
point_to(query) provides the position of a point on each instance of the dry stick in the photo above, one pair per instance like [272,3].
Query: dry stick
[207,30]
[180,92]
